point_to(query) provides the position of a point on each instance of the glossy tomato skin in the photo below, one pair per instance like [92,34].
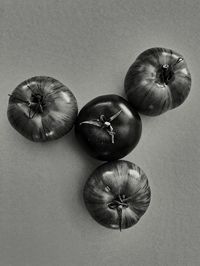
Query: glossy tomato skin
[42,109]
[96,141]
[159,80]
[111,182]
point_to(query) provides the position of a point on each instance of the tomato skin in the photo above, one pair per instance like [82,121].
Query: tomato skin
[96,141]
[42,109]
[158,80]
[105,185]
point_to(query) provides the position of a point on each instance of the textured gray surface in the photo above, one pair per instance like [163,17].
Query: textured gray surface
[89,45]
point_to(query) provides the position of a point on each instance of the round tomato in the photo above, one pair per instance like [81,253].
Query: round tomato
[157,81]
[42,108]
[108,128]
[117,194]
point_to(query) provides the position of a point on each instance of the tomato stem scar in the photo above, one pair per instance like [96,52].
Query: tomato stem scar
[167,71]
[118,204]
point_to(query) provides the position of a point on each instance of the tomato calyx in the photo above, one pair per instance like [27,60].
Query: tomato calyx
[104,123]
[166,72]
[36,105]
[119,204]
[18,99]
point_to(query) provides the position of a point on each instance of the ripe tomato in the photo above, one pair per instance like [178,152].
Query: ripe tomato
[157,81]
[117,194]
[42,108]
[108,128]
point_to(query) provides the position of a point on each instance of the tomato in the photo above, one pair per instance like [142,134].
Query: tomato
[159,80]
[42,108]
[117,194]
[108,127]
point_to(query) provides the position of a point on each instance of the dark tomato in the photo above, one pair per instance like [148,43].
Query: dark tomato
[157,81]
[117,194]
[108,127]
[42,108]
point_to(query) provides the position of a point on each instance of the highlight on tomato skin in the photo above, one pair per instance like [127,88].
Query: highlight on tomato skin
[117,194]
[159,80]
[108,128]
[42,108]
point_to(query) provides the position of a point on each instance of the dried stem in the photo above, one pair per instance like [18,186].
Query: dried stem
[104,123]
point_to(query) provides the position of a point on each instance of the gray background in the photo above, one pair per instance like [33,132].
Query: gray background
[89,45]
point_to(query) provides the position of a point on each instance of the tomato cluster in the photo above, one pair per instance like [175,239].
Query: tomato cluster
[108,127]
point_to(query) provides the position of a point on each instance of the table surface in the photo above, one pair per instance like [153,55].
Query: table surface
[89,45]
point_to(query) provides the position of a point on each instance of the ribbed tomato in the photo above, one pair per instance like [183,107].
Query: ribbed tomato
[117,194]
[42,108]
[159,80]
[108,127]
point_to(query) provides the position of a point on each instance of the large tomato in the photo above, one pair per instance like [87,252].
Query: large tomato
[42,108]
[108,127]
[117,194]
[157,81]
